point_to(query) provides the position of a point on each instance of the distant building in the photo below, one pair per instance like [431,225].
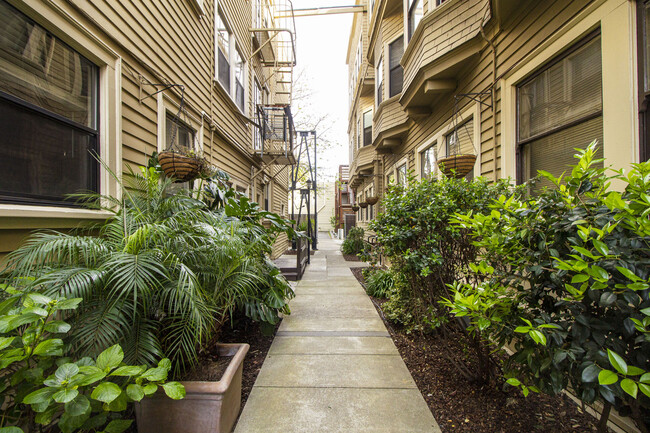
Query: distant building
[343,198]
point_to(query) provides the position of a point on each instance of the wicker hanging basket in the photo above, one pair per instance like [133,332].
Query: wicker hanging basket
[372,200]
[457,165]
[179,167]
[363,204]
[355,207]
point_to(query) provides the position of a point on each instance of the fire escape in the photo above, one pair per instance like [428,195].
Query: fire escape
[274,41]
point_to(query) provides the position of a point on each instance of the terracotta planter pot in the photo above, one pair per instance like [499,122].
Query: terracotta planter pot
[180,167]
[207,407]
[462,164]
[363,204]
[372,200]
[355,208]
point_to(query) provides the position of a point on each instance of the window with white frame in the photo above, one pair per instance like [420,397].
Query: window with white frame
[401,174]
[395,70]
[223,42]
[257,102]
[427,162]
[230,66]
[239,81]
[415,13]
[367,128]
[560,108]
[358,133]
[49,115]
[379,78]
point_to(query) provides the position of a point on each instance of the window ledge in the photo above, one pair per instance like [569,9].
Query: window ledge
[13,211]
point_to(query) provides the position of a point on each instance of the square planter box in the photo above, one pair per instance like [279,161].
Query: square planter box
[208,407]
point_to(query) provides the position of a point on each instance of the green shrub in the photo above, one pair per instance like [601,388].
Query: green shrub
[354,242]
[567,276]
[164,272]
[379,282]
[41,386]
[415,234]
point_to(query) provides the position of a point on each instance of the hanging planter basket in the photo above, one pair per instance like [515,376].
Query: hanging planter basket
[363,204]
[457,166]
[372,200]
[180,167]
[355,207]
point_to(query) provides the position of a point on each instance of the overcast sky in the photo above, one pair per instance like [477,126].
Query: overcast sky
[322,43]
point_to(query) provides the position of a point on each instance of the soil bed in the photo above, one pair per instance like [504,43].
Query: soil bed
[243,330]
[460,405]
[351,258]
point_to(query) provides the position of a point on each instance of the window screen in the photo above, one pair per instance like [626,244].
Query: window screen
[396,73]
[48,114]
[367,128]
[559,109]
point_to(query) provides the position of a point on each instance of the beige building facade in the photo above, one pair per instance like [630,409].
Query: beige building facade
[125,79]
[520,84]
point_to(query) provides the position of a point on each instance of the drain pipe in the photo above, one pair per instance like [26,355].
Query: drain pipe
[493,98]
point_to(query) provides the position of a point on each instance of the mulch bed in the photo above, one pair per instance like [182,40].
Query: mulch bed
[245,330]
[351,258]
[460,405]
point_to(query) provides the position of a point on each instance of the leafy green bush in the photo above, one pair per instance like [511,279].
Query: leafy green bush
[41,386]
[354,242]
[566,282]
[164,272]
[415,234]
[379,282]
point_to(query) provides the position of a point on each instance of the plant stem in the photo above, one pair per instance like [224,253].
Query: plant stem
[604,416]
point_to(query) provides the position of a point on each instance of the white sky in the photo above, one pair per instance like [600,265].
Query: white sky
[322,43]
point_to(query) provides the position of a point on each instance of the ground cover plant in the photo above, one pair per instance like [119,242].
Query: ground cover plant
[354,242]
[43,389]
[379,283]
[565,277]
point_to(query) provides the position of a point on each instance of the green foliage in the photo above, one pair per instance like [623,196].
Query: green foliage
[334,221]
[163,274]
[40,386]
[564,280]
[379,282]
[416,236]
[354,242]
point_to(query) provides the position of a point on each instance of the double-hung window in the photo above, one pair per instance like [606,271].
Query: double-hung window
[395,70]
[427,162]
[49,102]
[367,128]
[559,108]
[380,80]
[401,175]
[223,42]
[257,102]
[416,11]
[231,68]
[239,81]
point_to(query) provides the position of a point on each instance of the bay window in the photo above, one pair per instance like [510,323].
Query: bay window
[380,81]
[367,128]
[49,102]
[415,13]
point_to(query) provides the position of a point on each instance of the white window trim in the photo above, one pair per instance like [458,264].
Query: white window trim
[438,139]
[383,79]
[167,105]
[58,21]
[387,66]
[617,21]
[232,48]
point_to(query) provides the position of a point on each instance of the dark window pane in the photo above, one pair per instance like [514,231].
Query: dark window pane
[224,71]
[239,95]
[43,159]
[39,68]
[179,136]
[554,153]
[395,77]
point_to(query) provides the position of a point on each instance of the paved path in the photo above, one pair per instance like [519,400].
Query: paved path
[333,366]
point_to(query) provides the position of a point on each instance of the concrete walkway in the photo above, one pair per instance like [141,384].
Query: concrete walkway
[333,366]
